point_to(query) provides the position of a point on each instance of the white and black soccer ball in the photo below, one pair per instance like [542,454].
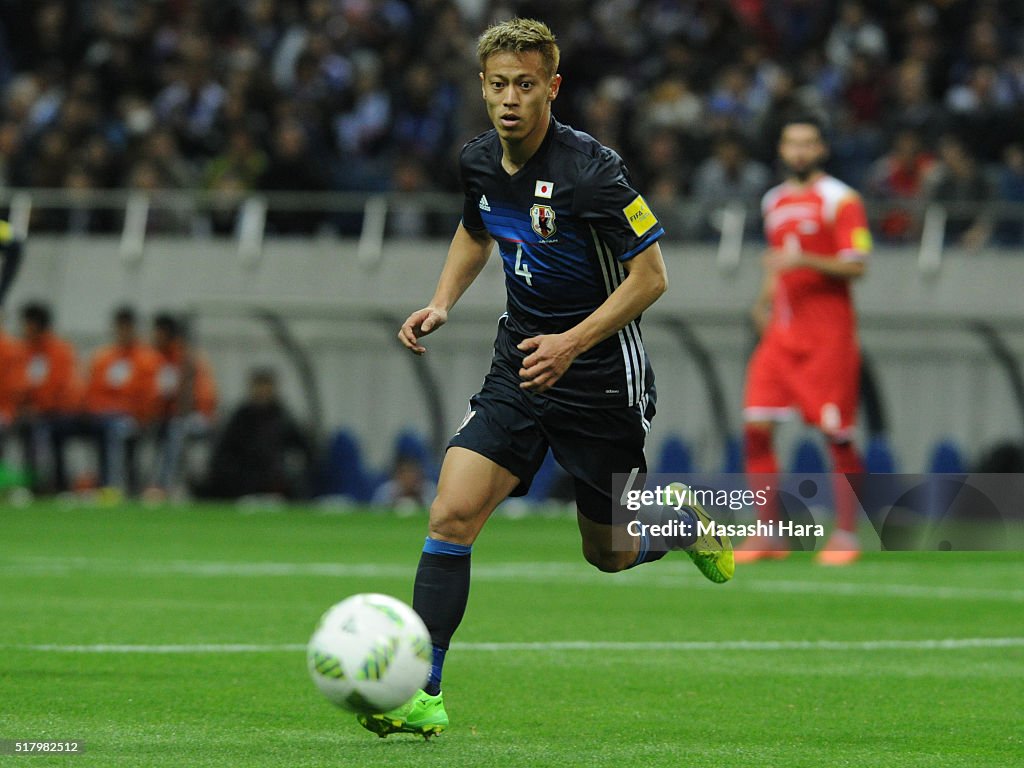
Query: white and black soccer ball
[370,653]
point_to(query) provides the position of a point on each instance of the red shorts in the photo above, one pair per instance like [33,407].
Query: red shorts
[821,384]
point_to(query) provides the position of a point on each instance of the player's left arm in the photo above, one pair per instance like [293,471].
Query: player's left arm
[551,355]
[849,269]
[852,244]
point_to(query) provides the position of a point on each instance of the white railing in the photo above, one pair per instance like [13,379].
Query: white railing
[138,215]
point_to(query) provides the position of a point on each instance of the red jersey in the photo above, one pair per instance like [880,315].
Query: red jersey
[824,218]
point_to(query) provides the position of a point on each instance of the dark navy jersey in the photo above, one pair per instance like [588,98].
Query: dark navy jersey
[564,224]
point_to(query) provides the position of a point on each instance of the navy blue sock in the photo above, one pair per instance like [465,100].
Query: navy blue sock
[645,554]
[682,534]
[433,686]
[440,596]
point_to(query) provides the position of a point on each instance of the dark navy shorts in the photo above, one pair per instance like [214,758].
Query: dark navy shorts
[514,428]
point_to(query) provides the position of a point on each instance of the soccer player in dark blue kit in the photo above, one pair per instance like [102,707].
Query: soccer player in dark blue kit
[581,257]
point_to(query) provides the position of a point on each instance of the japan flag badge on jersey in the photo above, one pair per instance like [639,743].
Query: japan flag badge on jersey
[544,189]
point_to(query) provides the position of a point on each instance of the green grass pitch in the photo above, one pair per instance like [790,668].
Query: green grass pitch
[789,665]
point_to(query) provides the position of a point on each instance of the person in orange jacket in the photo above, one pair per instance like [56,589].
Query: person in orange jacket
[53,387]
[120,400]
[52,391]
[12,382]
[187,399]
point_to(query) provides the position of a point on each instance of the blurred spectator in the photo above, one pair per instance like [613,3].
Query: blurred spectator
[191,105]
[982,46]
[261,450]
[605,114]
[797,23]
[408,488]
[292,168]
[862,93]
[858,139]
[52,153]
[670,104]
[665,197]
[785,99]
[959,181]
[728,176]
[11,160]
[53,392]
[170,217]
[730,105]
[52,382]
[186,400]
[1010,230]
[229,193]
[119,401]
[408,216]
[361,129]
[160,147]
[900,175]
[982,109]
[854,34]
[12,382]
[82,217]
[242,158]
[662,155]
[423,115]
[912,105]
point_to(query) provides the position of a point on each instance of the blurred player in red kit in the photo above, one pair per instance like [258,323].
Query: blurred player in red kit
[808,360]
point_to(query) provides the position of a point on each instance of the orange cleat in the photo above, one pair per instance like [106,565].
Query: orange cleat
[842,548]
[756,548]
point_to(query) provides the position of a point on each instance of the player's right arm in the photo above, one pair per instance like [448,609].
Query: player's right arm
[466,257]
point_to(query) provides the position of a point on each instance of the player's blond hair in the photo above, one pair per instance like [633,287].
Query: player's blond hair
[520,36]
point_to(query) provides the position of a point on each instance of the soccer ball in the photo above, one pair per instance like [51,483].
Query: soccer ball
[369,653]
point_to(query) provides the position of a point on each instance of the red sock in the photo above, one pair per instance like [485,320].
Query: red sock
[761,467]
[845,461]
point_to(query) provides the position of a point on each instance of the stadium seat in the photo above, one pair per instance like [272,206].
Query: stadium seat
[543,481]
[878,456]
[675,457]
[343,472]
[410,444]
[808,458]
[733,458]
[947,458]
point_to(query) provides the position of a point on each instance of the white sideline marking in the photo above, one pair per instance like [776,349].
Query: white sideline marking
[664,575]
[888,590]
[581,645]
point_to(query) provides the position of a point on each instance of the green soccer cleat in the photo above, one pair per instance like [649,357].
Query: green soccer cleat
[423,714]
[711,554]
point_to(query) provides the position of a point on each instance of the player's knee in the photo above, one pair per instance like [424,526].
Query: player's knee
[607,560]
[450,521]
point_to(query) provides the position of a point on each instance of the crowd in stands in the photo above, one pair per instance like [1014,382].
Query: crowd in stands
[923,98]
